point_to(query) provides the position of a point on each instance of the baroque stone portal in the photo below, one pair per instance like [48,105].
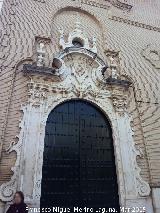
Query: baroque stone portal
[78,73]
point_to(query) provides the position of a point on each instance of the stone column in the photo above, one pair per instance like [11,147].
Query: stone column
[29,154]
[156,199]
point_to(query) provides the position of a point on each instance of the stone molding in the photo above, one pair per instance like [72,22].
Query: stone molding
[95,4]
[107,4]
[155,185]
[115,3]
[41,1]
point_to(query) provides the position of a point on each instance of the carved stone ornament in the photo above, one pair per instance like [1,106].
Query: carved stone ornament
[41,1]
[143,187]
[77,37]
[152,54]
[120,99]
[82,77]
[7,190]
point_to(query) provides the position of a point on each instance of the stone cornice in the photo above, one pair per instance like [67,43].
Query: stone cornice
[118,82]
[29,68]
[134,23]
[155,185]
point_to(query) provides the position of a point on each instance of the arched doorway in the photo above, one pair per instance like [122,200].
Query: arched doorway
[78,160]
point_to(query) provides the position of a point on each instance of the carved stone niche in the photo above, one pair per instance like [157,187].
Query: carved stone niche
[80,74]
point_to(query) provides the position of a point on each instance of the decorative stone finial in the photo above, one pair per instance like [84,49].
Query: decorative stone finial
[94,45]
[113,67]
[41,55]
[77,38]
[61,40]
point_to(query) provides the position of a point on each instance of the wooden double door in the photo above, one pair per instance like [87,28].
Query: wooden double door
[78,162]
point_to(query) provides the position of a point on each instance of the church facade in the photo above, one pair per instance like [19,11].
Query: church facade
[79,103]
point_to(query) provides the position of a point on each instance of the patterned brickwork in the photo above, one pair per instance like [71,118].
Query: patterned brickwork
[21,21]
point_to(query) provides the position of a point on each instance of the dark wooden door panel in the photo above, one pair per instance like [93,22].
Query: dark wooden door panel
[79,165]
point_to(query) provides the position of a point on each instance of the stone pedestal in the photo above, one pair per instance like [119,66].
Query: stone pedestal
[156,199]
